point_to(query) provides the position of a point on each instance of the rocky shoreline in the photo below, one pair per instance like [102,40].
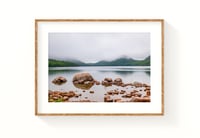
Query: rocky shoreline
[139,92]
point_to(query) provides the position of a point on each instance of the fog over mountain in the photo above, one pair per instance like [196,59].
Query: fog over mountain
[94,47]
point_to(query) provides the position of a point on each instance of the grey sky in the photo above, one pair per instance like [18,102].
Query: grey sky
[93,47]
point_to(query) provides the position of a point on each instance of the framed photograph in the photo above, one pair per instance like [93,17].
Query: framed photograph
[99,67]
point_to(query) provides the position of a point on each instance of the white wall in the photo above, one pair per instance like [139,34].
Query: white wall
[182,113]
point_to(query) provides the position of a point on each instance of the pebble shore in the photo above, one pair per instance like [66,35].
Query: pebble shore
[126,96]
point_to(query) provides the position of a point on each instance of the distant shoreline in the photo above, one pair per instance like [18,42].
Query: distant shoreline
[123,61]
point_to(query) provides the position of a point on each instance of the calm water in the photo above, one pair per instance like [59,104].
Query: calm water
[126,73]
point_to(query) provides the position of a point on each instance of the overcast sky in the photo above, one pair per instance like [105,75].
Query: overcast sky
[93,47]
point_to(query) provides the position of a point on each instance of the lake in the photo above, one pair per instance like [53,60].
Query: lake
[128,74]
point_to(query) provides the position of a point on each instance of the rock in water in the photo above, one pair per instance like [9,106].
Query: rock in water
[91,91]
[108,79]
[80,78]
[83,81]
[118,81]
[59,80]
[97,82]
[107,82]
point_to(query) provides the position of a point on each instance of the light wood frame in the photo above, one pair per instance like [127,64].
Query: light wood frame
[98,20]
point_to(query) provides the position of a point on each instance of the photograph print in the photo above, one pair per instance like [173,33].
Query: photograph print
[99,67]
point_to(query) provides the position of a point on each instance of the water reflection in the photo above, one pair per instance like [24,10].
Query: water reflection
[148,73]
[83,86]
[125,73]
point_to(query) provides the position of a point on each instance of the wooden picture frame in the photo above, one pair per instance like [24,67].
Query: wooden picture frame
[55,37]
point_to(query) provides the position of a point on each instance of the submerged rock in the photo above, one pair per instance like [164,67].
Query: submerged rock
[91,91]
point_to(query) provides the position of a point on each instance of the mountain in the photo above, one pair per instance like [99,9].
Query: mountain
[59,63]
[123,61]
[145,62]
[77,62]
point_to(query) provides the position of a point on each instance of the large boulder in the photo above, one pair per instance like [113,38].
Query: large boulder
[83,81]
[82,78]
[59,80]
